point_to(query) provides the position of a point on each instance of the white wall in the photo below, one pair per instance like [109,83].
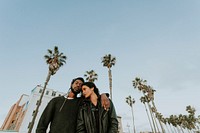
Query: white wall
[31,106]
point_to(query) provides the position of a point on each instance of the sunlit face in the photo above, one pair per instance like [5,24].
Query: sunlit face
[77,85]
[87,91]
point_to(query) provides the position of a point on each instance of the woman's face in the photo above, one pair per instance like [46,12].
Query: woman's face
[87,91]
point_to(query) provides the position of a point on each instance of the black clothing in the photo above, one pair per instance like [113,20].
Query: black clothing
[96,114]
[63,121]
[86,122]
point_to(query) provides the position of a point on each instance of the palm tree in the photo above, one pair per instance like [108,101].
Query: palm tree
[150,95]
[144,100]
[55,60]
[130,102]
[91,76]
[143,87]
[109,61]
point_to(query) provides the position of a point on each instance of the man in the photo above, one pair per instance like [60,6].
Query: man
[61,112]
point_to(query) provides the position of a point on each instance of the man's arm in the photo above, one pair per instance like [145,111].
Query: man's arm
[113,119]
[45,118]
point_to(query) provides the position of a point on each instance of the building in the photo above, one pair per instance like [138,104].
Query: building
[21,113]
[32,104]
[120,130]
[16,114]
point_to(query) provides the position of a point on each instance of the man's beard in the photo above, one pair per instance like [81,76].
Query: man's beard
[75,91]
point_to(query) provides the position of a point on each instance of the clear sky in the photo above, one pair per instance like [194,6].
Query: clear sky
[155,40]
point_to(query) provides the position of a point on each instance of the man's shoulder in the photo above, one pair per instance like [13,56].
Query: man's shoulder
[58,98]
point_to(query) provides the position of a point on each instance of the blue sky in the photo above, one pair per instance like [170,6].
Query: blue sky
[155,40]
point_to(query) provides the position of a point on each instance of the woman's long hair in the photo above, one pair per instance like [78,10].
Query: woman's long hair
[91,85]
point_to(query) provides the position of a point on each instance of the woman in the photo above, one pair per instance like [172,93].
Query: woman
[92,117]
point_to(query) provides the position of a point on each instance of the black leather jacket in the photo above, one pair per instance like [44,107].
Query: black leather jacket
[86,122]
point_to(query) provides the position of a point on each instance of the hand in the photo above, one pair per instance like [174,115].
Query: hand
[105,102]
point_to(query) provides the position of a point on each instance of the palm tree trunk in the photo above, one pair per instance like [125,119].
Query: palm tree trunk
[39,102]
[182,129]
[178,129]
[148,118]
[163,130]
[154,118]
[171,127]
[150,113]
[167,127]
[110,82]
[133,120]
[175,129]
[197,127]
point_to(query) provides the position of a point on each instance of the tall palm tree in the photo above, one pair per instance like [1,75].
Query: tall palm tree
[109,61]
[130,102]
[55,60]
[143,87]
[198,123]
[150,95]
[91,76]
[144,100]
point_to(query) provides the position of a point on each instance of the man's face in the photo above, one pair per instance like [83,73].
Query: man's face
[76,86]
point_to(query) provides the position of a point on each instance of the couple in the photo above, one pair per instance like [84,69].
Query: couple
[86,114]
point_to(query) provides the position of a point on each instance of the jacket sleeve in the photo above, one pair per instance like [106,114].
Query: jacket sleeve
[113,128]
[45,118]
[80,127]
